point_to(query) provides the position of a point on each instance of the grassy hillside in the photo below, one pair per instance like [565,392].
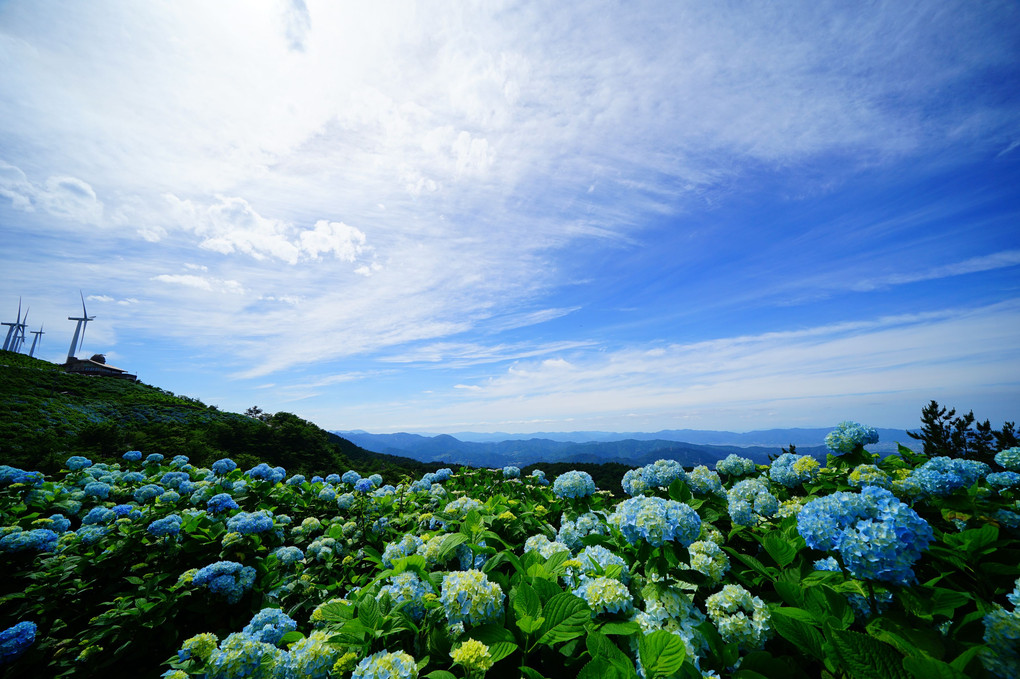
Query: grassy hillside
[47,415]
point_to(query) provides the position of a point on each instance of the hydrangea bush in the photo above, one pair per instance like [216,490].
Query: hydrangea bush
[897,566]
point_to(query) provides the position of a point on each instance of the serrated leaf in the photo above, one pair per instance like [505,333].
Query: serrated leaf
[553,563]
[791,592]
[499,558]
[781,551]
[528,624]
[749,561]
[661,653]
[490,633]
[792,626]
[525,601]
[368,613]
[826,602]
[290,638]
[501,649]
[930,668]
[413,562]
[620,628]
[599,669]
[565,618]
[867,657]
[450,542]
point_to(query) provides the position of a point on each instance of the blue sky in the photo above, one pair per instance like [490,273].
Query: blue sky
[524,216]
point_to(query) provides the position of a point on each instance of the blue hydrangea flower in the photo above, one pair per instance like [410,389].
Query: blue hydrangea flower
[574,484]
[1001,656]
[656,521]
[249,523]
[539,476]
[61,523]
[740,618]
[224,466]
[544,546]
[173,479]
[1009,459]
[36,540]
[310,658]
[734,465]
[264,472]
[386,665]
[878,536]
[153,458]
[147,492]
[241,656]
[98,489]
[350,477]
[792,470]
[77,462]
[179,461]
[221,502]
[605,595]
[511,472]
[333,478]
[15,640]
[749,501]
[941,476]
[90,535]
[99,516]
[573,531]
[408,587]
[1003,480]
[296,480]
[868,475]
[132,477]
[595,559]
[167,526]
[327,494]
[345,501]
[469,598]
[269,625]
[406,546]
[704,481]
[228,579]
[363,485]
[443,474]
[289,555]
[132,455]
[9,475]
[659,474]
[462,506]
[847,436]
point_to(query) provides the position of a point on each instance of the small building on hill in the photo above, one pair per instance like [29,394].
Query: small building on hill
[97,367]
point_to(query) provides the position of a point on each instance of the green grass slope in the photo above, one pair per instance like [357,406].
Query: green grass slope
[47,415]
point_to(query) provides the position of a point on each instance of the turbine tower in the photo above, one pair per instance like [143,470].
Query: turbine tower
[19,333]
[35,340]
[11,327]
[83,320]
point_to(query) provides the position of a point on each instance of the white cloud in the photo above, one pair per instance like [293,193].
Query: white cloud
[997,260]
[205,283]
[60,196]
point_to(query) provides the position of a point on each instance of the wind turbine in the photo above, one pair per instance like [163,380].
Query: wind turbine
[80,328]
[19,333]
[35,340]
[11,328]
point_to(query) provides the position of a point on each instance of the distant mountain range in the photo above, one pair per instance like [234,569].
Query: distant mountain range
[689,446]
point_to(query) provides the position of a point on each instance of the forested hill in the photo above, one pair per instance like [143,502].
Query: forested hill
[46,415]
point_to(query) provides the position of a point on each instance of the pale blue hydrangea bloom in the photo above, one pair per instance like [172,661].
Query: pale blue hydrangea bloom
[868,475]
[9,475]
[595,559]
[878,536]
[223,466]
[750,501]
[847,436]
[574,484]
[708,558]
[470,598]
[132,455]
[345,501]
[376,480]
[670,609]
[249,523]
[511,472]
[386,665]
[15,640]
[153,458]
[289,555]
[656,521]
[1002,636]
[462,506]
[321,549]
[573,531]
[941,476]
[605,595]
[90,535]
[166,527]
[36,540]
[350,477]
[734,465]
[443,474]
[296,480]
[264,472]
[98,489]
[1003,480]
[269,625]
[333,479]
[221,502]
[173,479]
[241,656]
[311,657]
[77,463]
[149,491]
[363,485]
[659,474]
[704,481]
[740,618]
[1009,458]
[99,516]
[791,470]
[407,586]
[228,579]
[406,546]
[544,546]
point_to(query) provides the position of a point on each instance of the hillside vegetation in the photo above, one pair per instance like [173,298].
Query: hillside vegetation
[47,414]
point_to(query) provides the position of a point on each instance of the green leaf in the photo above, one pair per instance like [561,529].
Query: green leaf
[946,601]
[528,624]
[555,562]
[793,627]
[368,613]
[791,592]
[501,649]
[661,653]
[413,562]
[826,602]
[867,657]
[599,669]
[565,618]
[450,543]
[290,638]
[529,673]
[929,668]
[440,674]
[490,634]
[620,628]
[525,601]
[781,551]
